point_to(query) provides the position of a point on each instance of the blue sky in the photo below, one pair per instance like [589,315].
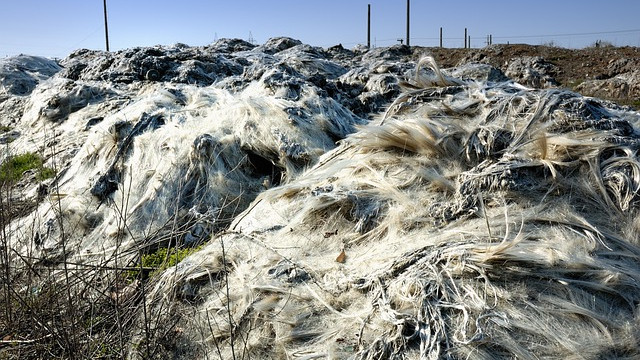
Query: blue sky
[57,27]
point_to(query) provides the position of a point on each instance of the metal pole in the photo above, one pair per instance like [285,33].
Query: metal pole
[469,41]
[441,37]
[490,39]
[369,26]
[408,22]
[106,27]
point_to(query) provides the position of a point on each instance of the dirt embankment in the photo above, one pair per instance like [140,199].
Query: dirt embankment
[612,73]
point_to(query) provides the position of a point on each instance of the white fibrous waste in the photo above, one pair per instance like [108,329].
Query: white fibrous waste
[144,136]
[342,204]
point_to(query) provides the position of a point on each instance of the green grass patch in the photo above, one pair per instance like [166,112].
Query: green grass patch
[13,167]
[633,103]
[162,259]
[46,173]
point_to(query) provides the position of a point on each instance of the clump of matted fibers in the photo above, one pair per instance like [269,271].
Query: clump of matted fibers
[475,221]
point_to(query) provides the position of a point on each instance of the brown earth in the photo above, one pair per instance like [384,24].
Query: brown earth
[592,71]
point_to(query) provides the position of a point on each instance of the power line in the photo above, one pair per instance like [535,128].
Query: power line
[535,36]
[571,34]
[494,37]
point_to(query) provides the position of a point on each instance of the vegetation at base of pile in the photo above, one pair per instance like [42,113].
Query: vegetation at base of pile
[14,167]
[162,259]
[633,103]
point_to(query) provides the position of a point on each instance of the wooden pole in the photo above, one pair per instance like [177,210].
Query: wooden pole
[408,23]
[440,36]
[106,26]
[369,26]
[490,39]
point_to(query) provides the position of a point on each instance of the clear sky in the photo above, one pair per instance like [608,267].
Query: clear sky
[56,27]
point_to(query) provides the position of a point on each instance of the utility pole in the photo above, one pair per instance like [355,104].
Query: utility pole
[408,22]
[369,26]
[465,38]
[106,27]
[440,36]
